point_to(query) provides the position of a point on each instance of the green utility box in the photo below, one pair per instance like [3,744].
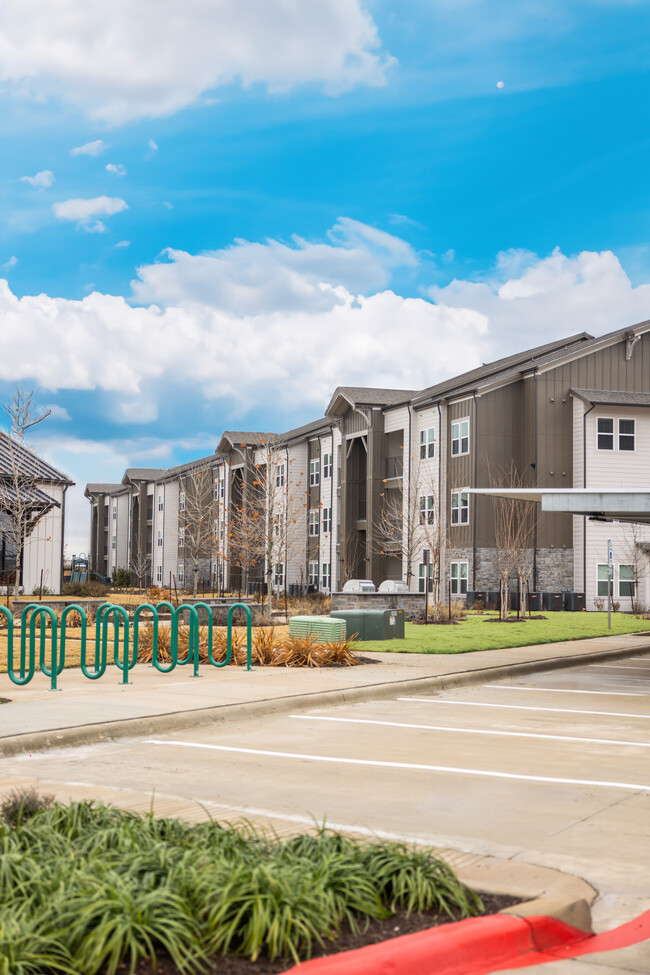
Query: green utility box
[323,626]
[373,624]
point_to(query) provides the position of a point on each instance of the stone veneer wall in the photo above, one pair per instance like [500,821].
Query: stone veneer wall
[554,569]
[411,602]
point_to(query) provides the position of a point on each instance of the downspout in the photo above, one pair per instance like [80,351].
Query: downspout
[331,499]
[285,554]
[536,377]
[440,536]
[474,501]
[584,484]
[409,489]
[65,488]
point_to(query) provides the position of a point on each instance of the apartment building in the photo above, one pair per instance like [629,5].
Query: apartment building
[32,496]
[379,487]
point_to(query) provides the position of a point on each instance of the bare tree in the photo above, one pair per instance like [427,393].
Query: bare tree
[635,550]
[21,503]
[140,564]
[513,533]
[196,519]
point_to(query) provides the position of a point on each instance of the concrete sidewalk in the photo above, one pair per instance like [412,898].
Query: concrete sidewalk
[85,712]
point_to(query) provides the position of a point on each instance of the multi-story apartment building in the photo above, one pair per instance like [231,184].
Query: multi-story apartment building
[386,475]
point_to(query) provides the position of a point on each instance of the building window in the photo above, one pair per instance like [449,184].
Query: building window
[327,520]
[605,433]
[459,508]
[181,573]
[160,539]
[327,465]
[278,575]
[159,573]
[422,577]
[603,580]
[427,443]
[460,437]
[313,574]
[325,576]
[161,502]
[458,578]
[427,510]
[626,580]
[313,522]
[181,501]
[113,543]
[314,472]
[626,434]
[216,490]
[114,512]
[181,537]
[279,475]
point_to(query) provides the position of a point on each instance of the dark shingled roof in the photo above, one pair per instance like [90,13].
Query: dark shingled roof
[30,465]
[511,365]
[105,489]
[143,473]
[371,396]
[316,426]
[612,397]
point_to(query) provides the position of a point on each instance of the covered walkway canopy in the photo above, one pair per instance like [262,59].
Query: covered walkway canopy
[597,504]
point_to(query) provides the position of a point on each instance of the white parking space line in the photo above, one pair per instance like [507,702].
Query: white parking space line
[522,707]
[562,690]
[470,731]
[410,766]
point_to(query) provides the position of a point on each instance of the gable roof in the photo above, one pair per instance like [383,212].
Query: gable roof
[611,397]
[14,454]
[367,396]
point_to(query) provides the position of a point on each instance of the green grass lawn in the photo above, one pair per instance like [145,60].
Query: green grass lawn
[474,633]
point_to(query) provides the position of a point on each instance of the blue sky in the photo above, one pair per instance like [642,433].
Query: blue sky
[216,212]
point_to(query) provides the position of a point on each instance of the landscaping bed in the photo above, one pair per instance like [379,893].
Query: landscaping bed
[94,890]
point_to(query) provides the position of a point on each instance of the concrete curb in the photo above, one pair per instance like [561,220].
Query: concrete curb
[180,720]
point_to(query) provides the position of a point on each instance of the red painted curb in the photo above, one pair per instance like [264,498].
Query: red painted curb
[477,946]
[472,947]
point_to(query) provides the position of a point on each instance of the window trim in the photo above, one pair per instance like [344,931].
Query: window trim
[326,520]
[314,472]
[626,419]
[181,501]
[327,465]
[459,508]
[326,575]
[280,473]
[422,577]
[427,443]
[314,522]
[181,537]
[604,581]
[312,574]
[631,582]
[427,506]
[458,578]
[459,438]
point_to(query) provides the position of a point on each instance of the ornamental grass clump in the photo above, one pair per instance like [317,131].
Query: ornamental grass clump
[92,890]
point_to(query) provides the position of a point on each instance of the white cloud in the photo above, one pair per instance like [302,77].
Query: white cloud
[152,145]
[117,168]
[123,243]
[141,67]
[42,180]
[95,148]
[13,260]
[260,323]
[86,212]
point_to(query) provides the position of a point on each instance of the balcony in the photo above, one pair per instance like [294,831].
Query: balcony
[394,467]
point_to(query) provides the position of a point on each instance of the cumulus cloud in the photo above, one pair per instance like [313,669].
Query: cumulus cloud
[116,168]
[86,212]
[95,148]
[141,67]
[273,322]
[42,180]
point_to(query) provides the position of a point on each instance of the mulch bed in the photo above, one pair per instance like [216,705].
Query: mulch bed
[393,927]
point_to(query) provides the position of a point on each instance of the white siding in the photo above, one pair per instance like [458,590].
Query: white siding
[43,548]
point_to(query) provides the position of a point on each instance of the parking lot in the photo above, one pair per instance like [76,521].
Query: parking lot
[551,769]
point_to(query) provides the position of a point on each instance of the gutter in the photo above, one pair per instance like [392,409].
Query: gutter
[584,484]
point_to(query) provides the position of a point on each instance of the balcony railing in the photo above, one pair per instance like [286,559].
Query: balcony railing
[394,467]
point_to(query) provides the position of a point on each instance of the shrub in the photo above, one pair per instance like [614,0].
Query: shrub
[91,589]
[19,805]
[121,578]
